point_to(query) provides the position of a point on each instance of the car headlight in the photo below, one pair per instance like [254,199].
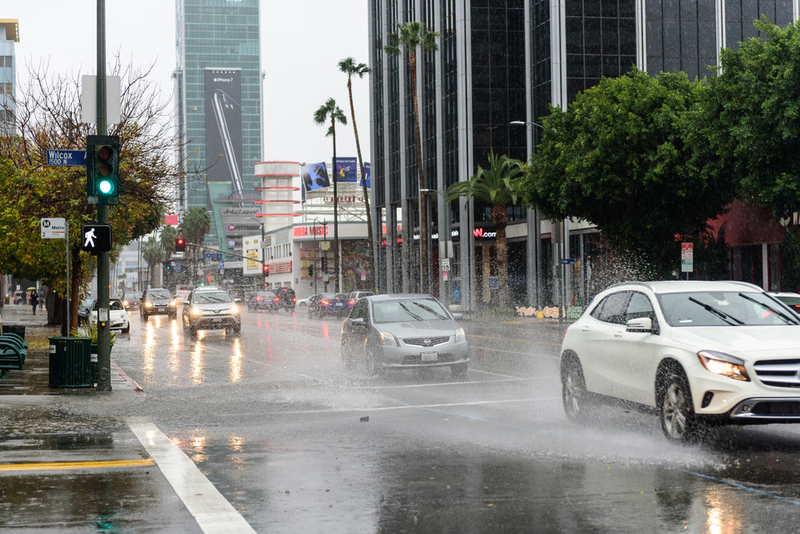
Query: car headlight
[461,337]
[234,309]
[174,303]
[197,312]
[723,364]
[148,304]
[388,340]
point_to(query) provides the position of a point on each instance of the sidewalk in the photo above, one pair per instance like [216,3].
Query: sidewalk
[34,378]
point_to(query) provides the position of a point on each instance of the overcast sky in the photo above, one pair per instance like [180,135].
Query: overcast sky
[302,42]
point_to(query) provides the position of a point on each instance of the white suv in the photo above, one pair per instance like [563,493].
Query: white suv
[698,352]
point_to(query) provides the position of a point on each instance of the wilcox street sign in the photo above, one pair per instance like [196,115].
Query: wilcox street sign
[66,158]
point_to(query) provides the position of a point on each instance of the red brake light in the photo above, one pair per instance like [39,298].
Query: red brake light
[276,299]
[259,298]
[325,301]
[294,299]
[351,302]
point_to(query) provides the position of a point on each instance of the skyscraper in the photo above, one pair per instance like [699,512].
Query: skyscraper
[218,93]
[9,33]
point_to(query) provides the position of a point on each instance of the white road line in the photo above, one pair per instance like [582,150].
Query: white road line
[213,513]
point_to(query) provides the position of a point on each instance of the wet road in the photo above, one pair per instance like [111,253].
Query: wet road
[295,443]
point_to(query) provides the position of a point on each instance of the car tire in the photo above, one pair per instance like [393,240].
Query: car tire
[173,315]
[675,407]
[310,314]
[192,332]
[127,330]
[373,365]
[459,370]
[145,317]
[348,357]
[574,396]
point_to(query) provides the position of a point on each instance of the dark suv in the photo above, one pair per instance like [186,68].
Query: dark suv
[287,298]
[212,308]
[158,301]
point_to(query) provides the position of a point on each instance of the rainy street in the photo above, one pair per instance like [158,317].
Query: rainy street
[295,443]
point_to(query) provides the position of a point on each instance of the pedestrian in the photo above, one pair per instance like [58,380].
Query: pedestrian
[34,301]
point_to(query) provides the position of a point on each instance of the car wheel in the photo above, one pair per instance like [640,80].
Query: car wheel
[173,315]
[192,332]
[373,363]
[675,407]
[573,390]
[145,317]
[348,358]
[459,370]
[126,330]
[310,313]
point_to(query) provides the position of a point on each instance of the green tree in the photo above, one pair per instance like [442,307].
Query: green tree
[153,253]
[48,116]
[408,38]
[350,67]
[494,186]
[167,239]
[330,111]
[749,129]
[619,158]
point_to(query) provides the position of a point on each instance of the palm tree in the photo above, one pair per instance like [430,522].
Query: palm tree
[194,226]
[167,239]
[332,111]
[408,37]
[493,185]
[349,67]
[152,254]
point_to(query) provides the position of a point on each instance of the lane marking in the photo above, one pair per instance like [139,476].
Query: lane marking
[516,340]
[55,466]
[213,513]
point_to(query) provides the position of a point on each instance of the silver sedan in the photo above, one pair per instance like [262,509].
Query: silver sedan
[403,331]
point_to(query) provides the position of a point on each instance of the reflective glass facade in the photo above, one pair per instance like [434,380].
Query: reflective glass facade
[216,34]
[9,34]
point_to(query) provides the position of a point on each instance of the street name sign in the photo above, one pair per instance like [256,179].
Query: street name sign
[54,228]
[210,256]
[66,158]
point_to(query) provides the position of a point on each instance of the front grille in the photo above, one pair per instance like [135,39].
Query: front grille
[777,409]
[426,341]
[779,373]
[417,359]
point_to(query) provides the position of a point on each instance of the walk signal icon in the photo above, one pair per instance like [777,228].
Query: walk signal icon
[96,238]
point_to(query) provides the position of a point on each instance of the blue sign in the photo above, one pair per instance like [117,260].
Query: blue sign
[210,256]
[66,158]
[568,261]
[222,266]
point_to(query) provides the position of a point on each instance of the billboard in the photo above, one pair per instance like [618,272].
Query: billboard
[315,176]
[346,170]
[223,97]
[367,175]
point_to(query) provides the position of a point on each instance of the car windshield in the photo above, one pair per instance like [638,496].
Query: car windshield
[113,304]
[395,311]
[340,296]
[159,295]
[790,300]
[211,297]
[728,308]
[265,294]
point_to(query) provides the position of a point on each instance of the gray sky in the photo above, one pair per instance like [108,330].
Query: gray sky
[302,42]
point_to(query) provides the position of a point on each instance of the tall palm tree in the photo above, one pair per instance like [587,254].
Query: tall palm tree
[349,67]
[167,239]
[194,226]
[494,185]
[409,36]
[321,116]
[152,254]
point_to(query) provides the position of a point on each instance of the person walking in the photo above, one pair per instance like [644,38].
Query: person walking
[33,300]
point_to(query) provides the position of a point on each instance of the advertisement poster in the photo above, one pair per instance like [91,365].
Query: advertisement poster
[223,97]
[315,176]
[346,170]
[367,175]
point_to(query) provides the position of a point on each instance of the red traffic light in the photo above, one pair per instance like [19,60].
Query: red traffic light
[180,245]
[265,270]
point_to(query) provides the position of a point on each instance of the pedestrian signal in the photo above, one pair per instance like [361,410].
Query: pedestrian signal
[96,238]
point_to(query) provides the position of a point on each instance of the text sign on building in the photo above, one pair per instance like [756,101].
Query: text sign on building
[66,158]
[687,258]
[54,228]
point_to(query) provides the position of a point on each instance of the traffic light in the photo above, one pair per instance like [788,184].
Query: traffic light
[102,169]
[324,265]
[265,270]
[180,245]
[96,238]
[311,271]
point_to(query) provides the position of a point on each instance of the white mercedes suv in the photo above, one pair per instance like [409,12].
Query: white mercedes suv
[700,353]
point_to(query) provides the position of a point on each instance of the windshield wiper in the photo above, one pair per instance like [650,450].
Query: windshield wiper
[412,314]
[719,313]
[776,312]
[430,310]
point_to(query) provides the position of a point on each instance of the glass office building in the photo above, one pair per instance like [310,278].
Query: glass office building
[501,61]
[9,33]
[218,93]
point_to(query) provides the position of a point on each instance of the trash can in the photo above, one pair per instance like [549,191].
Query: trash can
[14,329]
[71,362]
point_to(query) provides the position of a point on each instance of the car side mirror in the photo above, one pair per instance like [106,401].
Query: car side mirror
[640,325]
[458,316]
[237,301]
[359,321]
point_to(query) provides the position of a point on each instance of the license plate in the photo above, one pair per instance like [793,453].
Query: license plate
[429,356]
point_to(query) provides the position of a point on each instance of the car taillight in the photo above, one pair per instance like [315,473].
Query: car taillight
[277,299]
[294,299]
[259,298]
[325,302]
[351,302]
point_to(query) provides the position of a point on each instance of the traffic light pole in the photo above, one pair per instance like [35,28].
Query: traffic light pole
[103,275]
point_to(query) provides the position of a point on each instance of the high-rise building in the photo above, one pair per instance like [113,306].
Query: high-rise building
[9,33]
[506,62]
[218,93]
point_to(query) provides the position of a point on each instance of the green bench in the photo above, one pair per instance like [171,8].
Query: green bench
[13,351]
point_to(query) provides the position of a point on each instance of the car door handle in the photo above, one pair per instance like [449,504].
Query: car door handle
[618,333]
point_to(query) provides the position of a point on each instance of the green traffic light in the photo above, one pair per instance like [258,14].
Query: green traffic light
[106,187]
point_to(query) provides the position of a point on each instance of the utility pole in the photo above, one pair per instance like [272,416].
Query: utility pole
[104,327]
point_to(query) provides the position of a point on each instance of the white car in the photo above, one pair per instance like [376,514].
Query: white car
[117,316]
[698,352]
